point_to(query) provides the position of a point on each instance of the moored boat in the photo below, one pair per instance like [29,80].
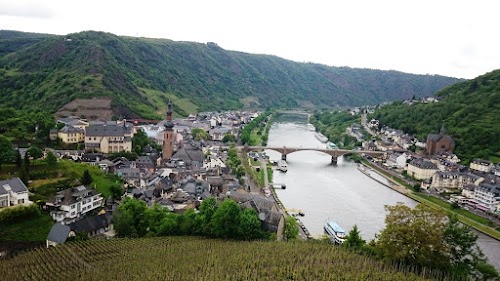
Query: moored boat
[334,232]
[282,166]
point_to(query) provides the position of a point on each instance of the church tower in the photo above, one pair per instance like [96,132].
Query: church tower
[168,135]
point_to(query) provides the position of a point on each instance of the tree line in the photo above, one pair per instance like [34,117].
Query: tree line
[219,220]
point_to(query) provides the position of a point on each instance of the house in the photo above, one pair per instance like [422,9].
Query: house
[218,134]
[53,134]
[421,169]
[487,196]
[73,203]
[439,143]
[73,122]
[397,160]
[92,226]
[454,180]
[58,234]
[13,192]
[132,176]
[213,162]
[69,134]
[479,165]
[109,138]
[145,163]
[190,155]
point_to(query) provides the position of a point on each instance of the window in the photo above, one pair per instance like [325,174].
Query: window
[73,206]
[20,201]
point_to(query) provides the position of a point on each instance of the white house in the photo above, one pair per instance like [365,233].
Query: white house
[213,162]
[13,192]
[487,196]
[421,169]
[109,138]
[481,165]
[70,204]
[397,160]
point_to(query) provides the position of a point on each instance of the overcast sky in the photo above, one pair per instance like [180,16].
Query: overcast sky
[453,38]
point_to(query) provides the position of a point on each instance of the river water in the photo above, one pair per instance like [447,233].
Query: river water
[342,193]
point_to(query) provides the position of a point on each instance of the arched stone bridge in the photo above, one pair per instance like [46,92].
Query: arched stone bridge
[335,153]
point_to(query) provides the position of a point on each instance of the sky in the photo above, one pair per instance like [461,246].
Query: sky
[452,38]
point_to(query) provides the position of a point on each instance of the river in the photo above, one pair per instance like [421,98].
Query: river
[343,193]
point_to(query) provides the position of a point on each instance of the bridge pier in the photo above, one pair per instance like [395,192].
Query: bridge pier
[283,156]
[334,160]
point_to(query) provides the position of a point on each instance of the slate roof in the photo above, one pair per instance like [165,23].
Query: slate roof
[423,164]
[91,224]
[58,233]
[70,129]
[107,130]
[189,155]
[16,185]
[71,195]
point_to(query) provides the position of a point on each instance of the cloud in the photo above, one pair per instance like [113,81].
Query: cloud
[26,9]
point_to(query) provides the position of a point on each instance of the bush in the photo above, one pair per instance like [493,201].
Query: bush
[13,214]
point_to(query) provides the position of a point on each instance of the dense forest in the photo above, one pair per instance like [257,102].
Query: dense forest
[469,111]
[140,74]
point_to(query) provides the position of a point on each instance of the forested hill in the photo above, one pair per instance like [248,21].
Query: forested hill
[140,73]
[469,111]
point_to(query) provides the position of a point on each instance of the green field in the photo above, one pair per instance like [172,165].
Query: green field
[192,258]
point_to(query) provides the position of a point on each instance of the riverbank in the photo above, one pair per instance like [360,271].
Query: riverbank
[394,185]
[489,231]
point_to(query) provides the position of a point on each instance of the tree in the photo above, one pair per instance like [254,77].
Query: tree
[86,178]
[51,159]
[136,209]
[23,175]
[414,236]
[116,191]
[291,228]
[6,151]
[19,159]
[199,134]
[353,240]
[225,219]
[139,140]
[228,138]
[430,238]
[204,218]
[123,223]
[249,225]
[35,152]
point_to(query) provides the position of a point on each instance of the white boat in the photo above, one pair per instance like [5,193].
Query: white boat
[311,127]
[282,166]
[321,138]
[334,231]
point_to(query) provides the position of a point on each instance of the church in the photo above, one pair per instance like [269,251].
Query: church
[439,143]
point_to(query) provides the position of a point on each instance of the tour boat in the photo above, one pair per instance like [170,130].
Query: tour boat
[334,232]
[282,166]
[321,138]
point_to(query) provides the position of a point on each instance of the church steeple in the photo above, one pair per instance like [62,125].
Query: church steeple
[168,134]
[169,124]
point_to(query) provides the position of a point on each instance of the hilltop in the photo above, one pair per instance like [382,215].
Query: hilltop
[191,258]
[469,111]
[139,74]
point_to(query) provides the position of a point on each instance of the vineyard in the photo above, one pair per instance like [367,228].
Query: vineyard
[191,258]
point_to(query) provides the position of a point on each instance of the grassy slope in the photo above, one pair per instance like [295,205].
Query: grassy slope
[51,72]
[189,258]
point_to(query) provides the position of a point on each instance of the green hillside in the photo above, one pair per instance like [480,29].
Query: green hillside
[189,258]
[49,71]
[469,111]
